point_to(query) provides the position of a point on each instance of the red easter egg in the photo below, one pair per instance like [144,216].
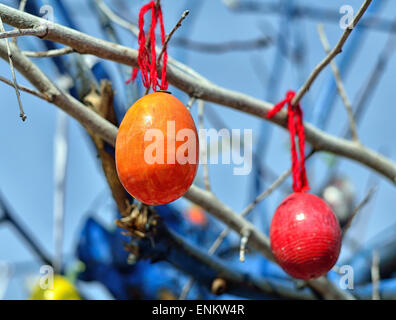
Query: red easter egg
[305,236]
[157,149]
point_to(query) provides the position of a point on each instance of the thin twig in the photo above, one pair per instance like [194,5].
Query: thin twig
[244,240]
[135,31]
[271,188]
[31,241]
[359,207]
[222,47]
[356,242]
[340,84]
[22,5]
[191,102]
[60,164]
[169,36]
[186,289]
[21,112]
[373,80]
[335,51]
[375,275]
[39,31]
[49,53]
[203,147]
[117,19]
[28,90]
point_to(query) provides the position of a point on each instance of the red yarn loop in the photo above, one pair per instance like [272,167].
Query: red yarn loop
[147,57]
[296,128]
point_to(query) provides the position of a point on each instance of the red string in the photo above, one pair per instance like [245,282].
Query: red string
[147,59]
[296,128]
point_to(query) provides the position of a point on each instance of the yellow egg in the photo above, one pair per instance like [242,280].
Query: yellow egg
[62,289]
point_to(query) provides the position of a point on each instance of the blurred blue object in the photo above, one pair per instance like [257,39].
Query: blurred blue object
[386,290]
[105,259]
[361,262]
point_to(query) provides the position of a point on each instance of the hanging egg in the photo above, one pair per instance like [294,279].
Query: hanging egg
[305,236]
[157,149]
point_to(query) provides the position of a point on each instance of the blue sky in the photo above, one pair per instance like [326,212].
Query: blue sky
[26,170]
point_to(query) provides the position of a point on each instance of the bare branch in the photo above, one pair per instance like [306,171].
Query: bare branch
[39,32]
[191,102]
[169,36]
[117,19]
[102,103]
[244,240]
[336,50]
[63,100]
[186,289]
[221,47]
[375,275]
[22,88]
[31,241]
[22,5]
[49,53]
[359,207]
[10,61]
[340,84]
[202,89]
[203,146]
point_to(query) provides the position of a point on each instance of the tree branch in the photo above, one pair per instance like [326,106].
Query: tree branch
[11,63]
[169,36]
[37,31]
[49,53]
[22,88]
[194,86]
[336,50]
[340,85]
[63,100]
